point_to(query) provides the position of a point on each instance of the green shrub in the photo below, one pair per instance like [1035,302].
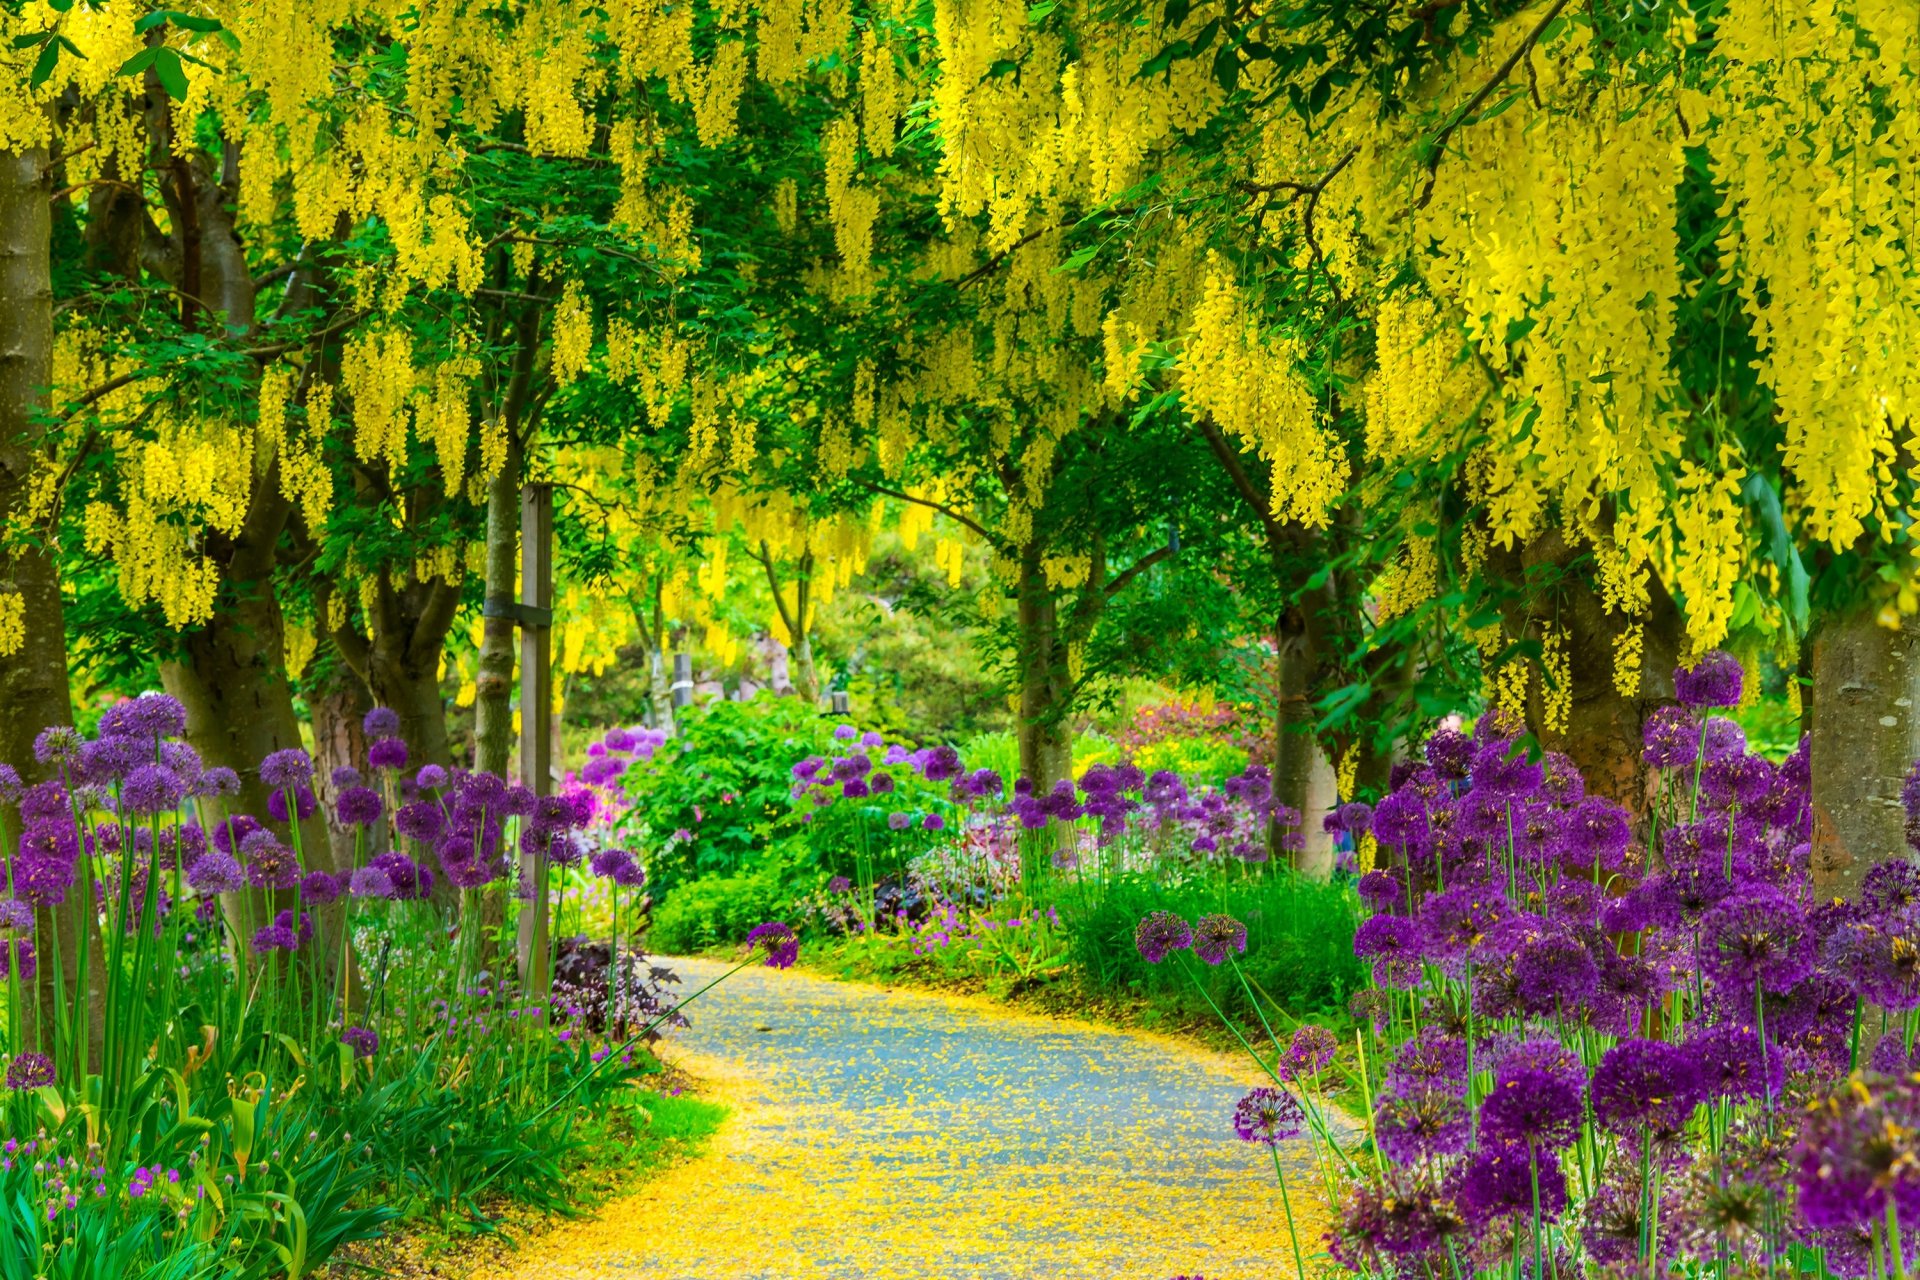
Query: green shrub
[718,910]
[1299,942]
[722,779]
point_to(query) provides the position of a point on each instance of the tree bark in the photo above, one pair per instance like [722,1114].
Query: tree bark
[493,685]
[33,678]
[1865,736]
[337,710]
[1046,741]
[1603,731]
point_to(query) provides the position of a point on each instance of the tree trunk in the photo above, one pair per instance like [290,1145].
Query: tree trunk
[1296,751]
[232,677]
[493,685]
[1046,739]
[1866,680]
[806,678]
[337,710]
[659,691]
[1603,731]
[33,676]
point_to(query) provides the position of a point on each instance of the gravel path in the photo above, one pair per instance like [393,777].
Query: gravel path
[895,1135]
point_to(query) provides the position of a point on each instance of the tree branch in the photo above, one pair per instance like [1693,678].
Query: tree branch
[1500,73]
[1139,566]
[942,508]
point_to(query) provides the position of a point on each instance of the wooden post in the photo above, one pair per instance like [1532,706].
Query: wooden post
[536,717]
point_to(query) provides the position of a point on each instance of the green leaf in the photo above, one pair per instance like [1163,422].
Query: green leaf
[139,62]
[1177,11]
[1226,69]
[172,77]
[1005,66]
[1038,13]
[44,64]
[27,42]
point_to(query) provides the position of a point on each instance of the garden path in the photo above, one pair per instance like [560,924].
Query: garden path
[897,1135]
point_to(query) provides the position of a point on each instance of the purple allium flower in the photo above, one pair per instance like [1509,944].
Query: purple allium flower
[288,767]
[1596,834]
[381,722]
[152,788]
[17,957]
[808,769]
[896,820]
[431,777]
[855,789]
[839,885]
[1723,740]
[1713,681]
[217,781]
[1215,937]
[275,937]
[1354,816]
[1645,1083]
[370,882]
[1555,974]
[1671,738]
[321,887]
[105,759]
[270,864]
[423,820]
[364,1041]
[938,764]
[1891,1057]
[387,753]
[1309,1052]
[29,1070]
[303,805]
[216,873]
[1423,1124]
[1159,934]
[1450,752]
[1405,1223]
[1381,890]
[1616,1224]
[517,802]
[932,822]
[1856,1150]
[1455,920]
[1536,1097]
[845,733]
[1394,936]
[58,745]
[777,941]
[11,788]
[1734,1064]
[1563,784]
[1499,771]
[359,807]
[1499,1183]
[16,918]
[1761,937]
[1891,886]
[1878,960]
[1268,1115]
[1400,821]
[345,776]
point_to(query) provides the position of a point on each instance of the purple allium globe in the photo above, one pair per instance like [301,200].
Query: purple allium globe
[897,821]
[345,776]
[839,885]
[29,1070]
[1714,681]
[359,807]
[370,882]
[1671,738]
[289,767]
[217,781]
[388,753]
[1421,1125]
[1554,974]
[1381,890]
[1269,1116]
[1858,1149]
[1536,1097]
[381,722]
[216,873]
[57,745]
[364,1041]
[1160,934]
[1645,1084]
[303,804]
[321,887]
[1499,1183]
[1309,1052]
[270,864]
[1759,937]
[423,820]
[430,778]
[933,822]
[1400,821]
[1215,937]
[777,942]
[152,788]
